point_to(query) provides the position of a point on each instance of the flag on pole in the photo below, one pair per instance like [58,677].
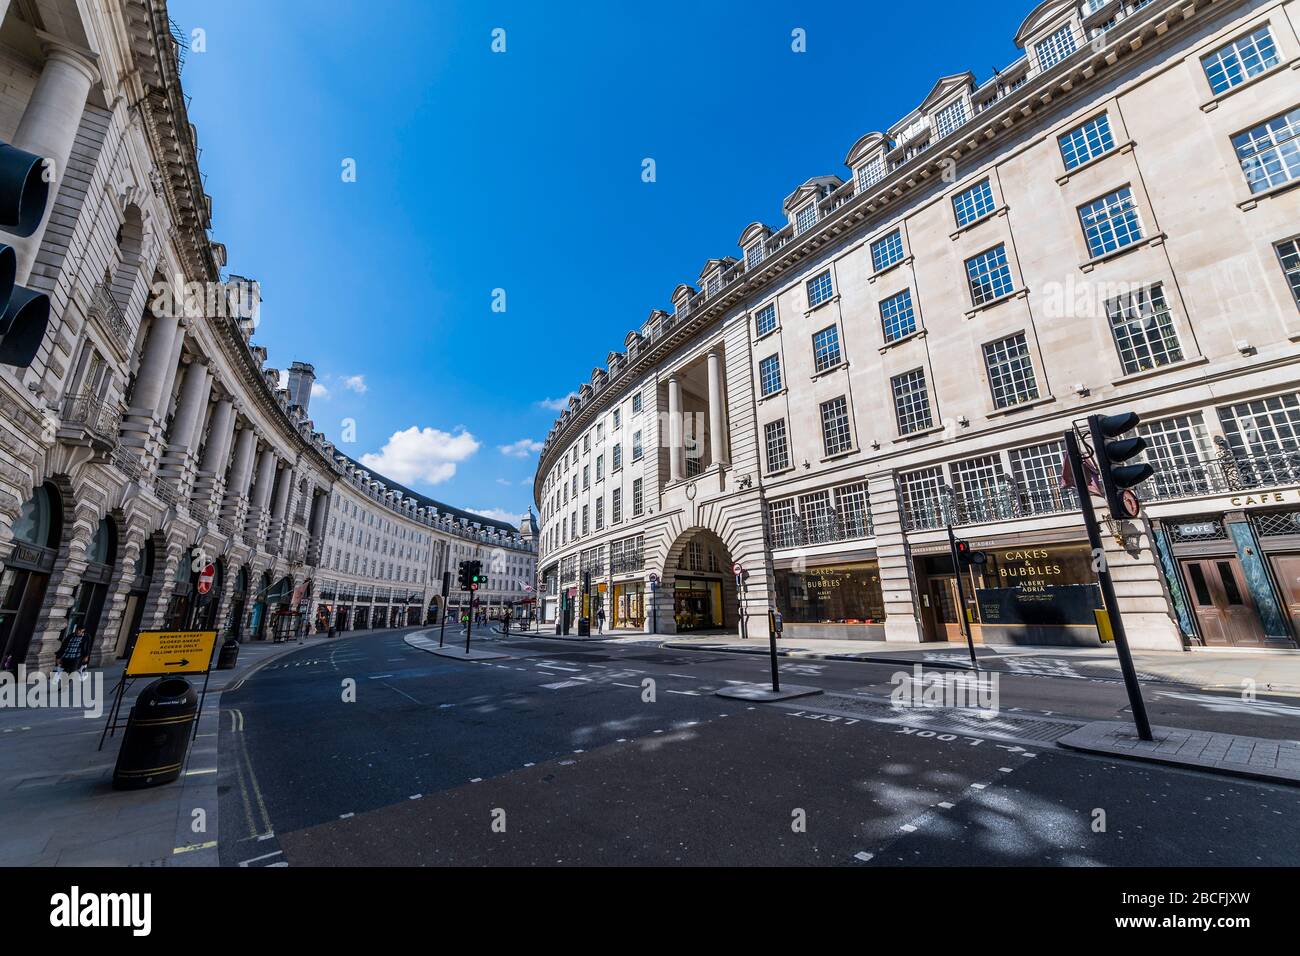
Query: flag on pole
[1090,475]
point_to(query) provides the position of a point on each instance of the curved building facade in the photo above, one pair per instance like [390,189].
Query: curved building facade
[905,351]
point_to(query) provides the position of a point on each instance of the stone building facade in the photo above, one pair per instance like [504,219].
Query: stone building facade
[1109,223]
[148,441]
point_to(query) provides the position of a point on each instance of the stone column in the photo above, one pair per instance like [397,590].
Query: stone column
[178,460]
[675,449]
[717,413]
[255,528]
[208,486]
[140,425]
[280,509]
[897,582]
[241,470]
[49,126]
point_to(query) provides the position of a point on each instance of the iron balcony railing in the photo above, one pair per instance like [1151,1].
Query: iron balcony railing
[1006,504]
[92,413]
[627,562]
[1222,475]
[836,525]
[105,306]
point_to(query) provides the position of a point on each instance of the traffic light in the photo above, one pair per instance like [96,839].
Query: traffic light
[476,576]
[967,557]
[24,314]
[1112,451]
[462,575]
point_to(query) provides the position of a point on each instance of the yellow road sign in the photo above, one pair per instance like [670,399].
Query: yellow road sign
[1104,631]
[171,652]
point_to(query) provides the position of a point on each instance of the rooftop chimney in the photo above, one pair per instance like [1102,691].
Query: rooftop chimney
[301,378]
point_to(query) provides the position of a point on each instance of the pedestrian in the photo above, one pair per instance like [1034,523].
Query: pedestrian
[600,620]
[74,655]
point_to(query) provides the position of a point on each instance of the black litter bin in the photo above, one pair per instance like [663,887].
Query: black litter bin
[584,627]
[229,655]
[157,735]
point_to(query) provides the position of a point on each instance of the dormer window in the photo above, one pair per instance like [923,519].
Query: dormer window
[1055,48]
[714,283]
[805,219]
[949,118]
[754,255]
[868,174]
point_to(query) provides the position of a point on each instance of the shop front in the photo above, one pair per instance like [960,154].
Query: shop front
[26,575]
[1234,575]
[628,606]
[1030,591]
[841,601]
[88,606]
[697,603]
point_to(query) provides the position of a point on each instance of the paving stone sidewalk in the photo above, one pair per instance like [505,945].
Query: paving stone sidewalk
[57,787]
[1274,760]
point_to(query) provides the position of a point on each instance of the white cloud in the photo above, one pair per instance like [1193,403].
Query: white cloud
[356,383]
[503,481]
[557,404]
[522,448]
[496,514]
[422,454]
[319,391]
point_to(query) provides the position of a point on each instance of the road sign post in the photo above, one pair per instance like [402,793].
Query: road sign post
[164,654]
[1131,684]
[958,566]
[772,626]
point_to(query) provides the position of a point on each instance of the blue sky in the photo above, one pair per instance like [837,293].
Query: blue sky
[520,171]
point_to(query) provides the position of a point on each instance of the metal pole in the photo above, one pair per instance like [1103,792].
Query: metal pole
[961,599]
[1107,588]
[442,627]
[771,642]
[469,622]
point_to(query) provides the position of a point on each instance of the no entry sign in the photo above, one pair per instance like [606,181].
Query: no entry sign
[206,578]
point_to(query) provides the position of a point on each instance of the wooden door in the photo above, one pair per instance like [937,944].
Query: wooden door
[1223,604]
[1287,569]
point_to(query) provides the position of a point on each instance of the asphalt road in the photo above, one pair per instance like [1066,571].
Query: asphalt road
[370,752]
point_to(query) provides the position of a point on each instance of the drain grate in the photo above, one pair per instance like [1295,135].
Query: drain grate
[1011,726]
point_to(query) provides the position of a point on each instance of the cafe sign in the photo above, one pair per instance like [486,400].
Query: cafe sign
[1260,499]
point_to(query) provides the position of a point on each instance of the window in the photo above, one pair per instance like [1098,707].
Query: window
[586,477]
[911,401]
[1056,47]
[586,514]
[600,512]
[1240,60]
[949,118]
[636,497]
[974,203]
[636,446]
[776,445]
[586,443]
[868,174]
[1111,222]
[1288,254]
[1270,153]
[805,219]
[1263,426]
[636,403]
[754,255]
[769,375]
[1086,142]
[600,467]
[1011,373]
[618,419]
[922,494]
[765,320]
[897,318]
[835,426]
[1144,332]
[616,506]
[885,252]
[616,457]
[1177,447]
[819,289]
[826,348]
[1036,471]
[989,275]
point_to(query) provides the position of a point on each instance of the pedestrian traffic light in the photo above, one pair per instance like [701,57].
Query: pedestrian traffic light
[462,575]
[968,557]
[24,314]
[1118,478]
[476,576]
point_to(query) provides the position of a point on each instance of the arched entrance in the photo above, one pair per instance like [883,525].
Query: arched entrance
[138,594]
[700,585]
[101,555]
[38,531]
[238,599]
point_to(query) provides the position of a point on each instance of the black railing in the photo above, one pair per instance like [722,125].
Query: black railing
[1005,504]
[92,413]
[1223,475]
[794,531]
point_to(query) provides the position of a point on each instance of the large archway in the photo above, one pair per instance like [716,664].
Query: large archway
[38,536]
[92,590]
[698,586]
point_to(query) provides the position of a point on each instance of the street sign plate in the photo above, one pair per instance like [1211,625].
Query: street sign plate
[206,578]
[171,652]
[737,569]
[1132,506]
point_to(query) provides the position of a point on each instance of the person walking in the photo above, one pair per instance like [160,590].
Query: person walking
[74,655]
[600,620]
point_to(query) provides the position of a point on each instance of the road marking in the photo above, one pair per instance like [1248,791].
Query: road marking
[264,856]
[415,796]
[946,805]
[266,836]
[530,765]
[476,780]
[379,676]
[617,684]
[864,856]
[687,676]
[908,828]
[685,693]
[978,786]
[559,668]
[1004,769]
[194,846]
[345,816]
[199,773]
[562,684]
